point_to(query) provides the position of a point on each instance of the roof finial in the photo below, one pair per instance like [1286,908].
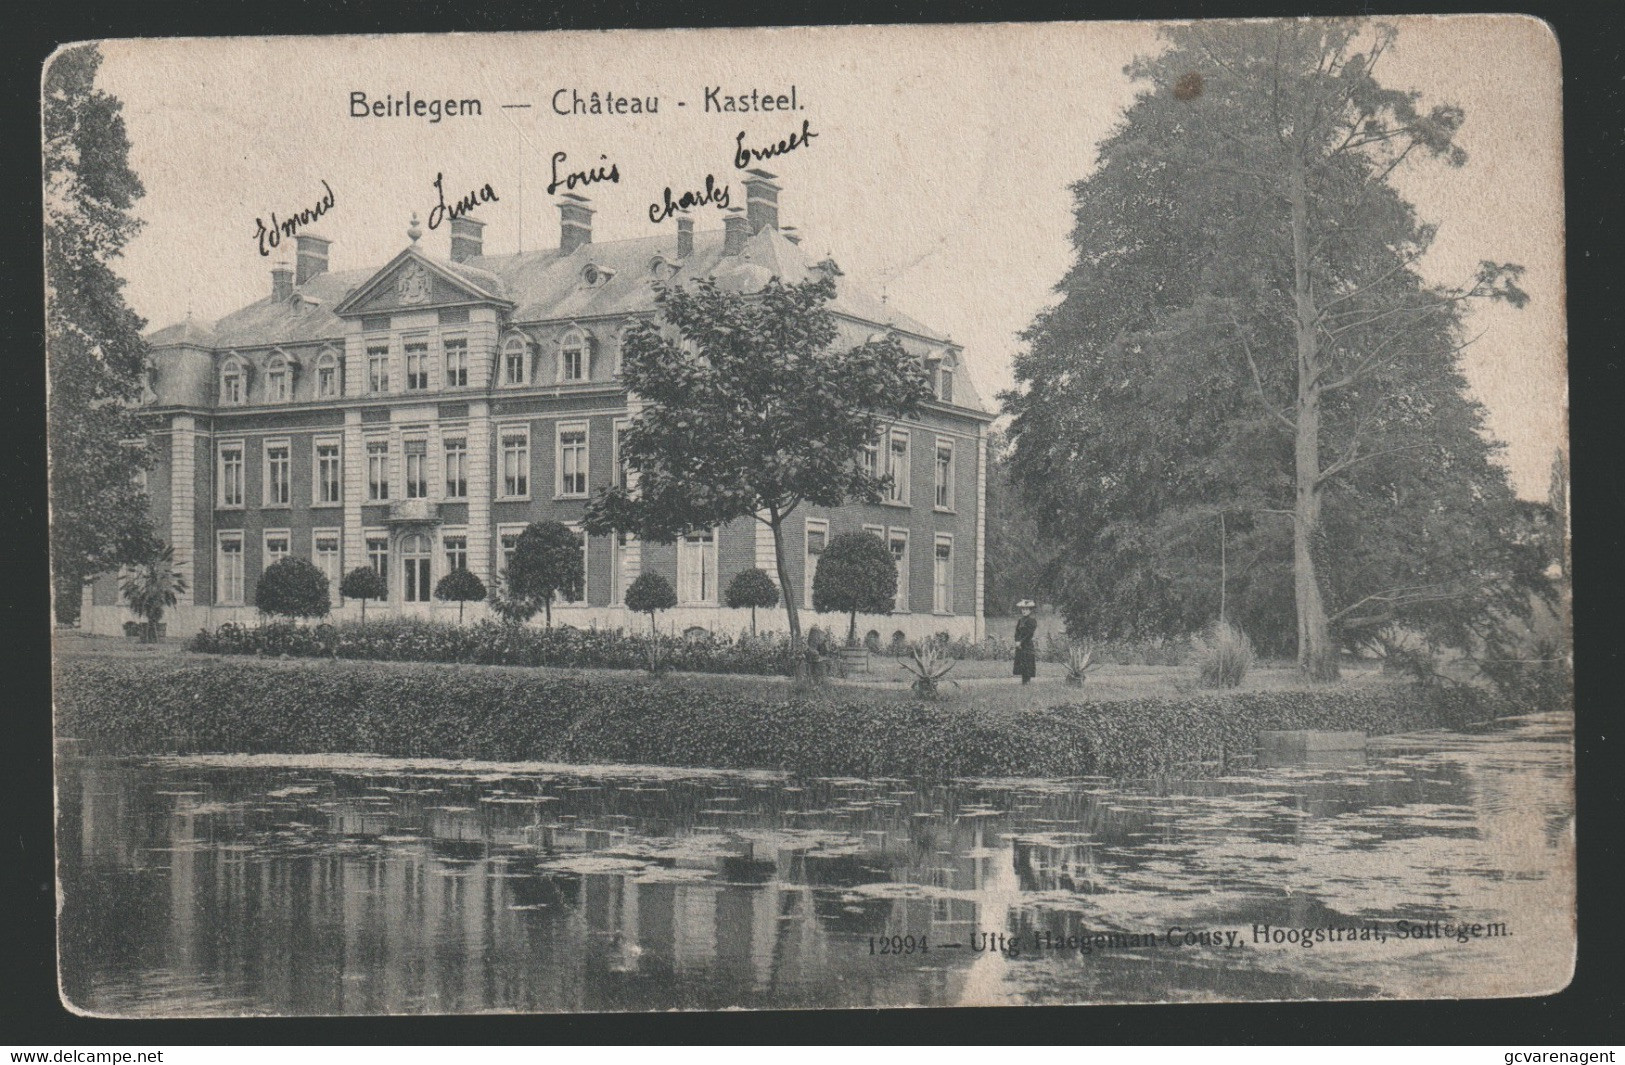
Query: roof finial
[414,231]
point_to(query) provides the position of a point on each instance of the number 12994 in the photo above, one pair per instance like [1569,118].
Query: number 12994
[899,945]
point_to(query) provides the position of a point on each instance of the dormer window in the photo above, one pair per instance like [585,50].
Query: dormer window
[327,375]
[593,275]
[945,378]
[276,379]
[513,361]
[573,349]
[233,382]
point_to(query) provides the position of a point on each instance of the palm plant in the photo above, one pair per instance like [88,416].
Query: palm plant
[1080,662]
[151,587]
[929,664]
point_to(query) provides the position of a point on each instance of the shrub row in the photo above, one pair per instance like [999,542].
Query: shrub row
[152,706]
[496,643]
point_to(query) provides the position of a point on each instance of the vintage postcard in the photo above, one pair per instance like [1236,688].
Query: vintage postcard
[810,518]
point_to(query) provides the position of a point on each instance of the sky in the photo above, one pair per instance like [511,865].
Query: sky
[938,174]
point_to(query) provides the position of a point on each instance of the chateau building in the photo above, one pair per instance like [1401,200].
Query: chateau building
[414,417]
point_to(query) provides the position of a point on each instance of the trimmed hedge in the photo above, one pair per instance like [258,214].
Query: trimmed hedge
[153,706]
[494,643]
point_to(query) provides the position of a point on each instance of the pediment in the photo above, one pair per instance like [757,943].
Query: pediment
[413,281]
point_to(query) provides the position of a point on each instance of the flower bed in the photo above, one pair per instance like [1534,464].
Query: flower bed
[164,706]
[494,643]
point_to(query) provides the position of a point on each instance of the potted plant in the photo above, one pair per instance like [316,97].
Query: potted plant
[856,572]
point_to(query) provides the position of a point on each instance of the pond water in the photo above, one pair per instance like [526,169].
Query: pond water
[309,885]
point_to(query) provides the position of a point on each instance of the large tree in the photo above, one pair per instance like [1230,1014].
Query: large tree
[748,409]
[1247,358]
[96,353]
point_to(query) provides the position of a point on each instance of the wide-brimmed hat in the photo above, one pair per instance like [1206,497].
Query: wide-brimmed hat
[1026,604]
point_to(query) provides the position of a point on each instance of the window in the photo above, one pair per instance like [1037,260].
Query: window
[229,584]
[378,367]
[326,551]
[945,378]
[456,468]
[573,356]
[870,460]
[456,548]
[276,473]
[945,474]
[277,546]
[581,537]
[942,576]
[415,568]
[897,540]
[897,466]
[233,379]
[572,452]
[378,555]
[327,376]
[516,463]
[231,474]
[507,538]
[456,362]
[417,468]
[377,470]
[623,471]
[513,361]
[329,472]
[697,567]
[417,365]
[817,536]
[621,566]
[276,380]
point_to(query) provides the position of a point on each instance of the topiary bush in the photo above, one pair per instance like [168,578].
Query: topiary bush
[363,583]
[856,574]
[752,588]
[293,587]
[460,586]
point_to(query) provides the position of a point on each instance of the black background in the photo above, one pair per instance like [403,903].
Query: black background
[1591,1010]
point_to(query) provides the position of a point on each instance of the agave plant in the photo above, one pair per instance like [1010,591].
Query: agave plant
[151,587]
[1080,662]
[929,664]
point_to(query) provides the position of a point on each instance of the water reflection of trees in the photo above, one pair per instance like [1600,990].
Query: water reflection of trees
[402,892]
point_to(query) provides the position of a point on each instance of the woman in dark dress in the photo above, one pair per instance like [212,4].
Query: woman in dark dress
[1026,629]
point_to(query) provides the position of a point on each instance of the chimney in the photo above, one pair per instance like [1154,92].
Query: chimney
[467,239]
[735,231]
[281,282]
[790,234]
[761,200]
[685,236]
[575,223]
[311,257]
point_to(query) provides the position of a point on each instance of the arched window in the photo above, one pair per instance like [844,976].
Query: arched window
[233,381]
[277,374]
[415,564]
[945,377]
[327,375]
[515,356]
[574,356]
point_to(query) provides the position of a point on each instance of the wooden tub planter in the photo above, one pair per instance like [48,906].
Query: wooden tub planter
[854,660]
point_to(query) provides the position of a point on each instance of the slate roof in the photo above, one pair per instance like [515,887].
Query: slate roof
[547,286]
